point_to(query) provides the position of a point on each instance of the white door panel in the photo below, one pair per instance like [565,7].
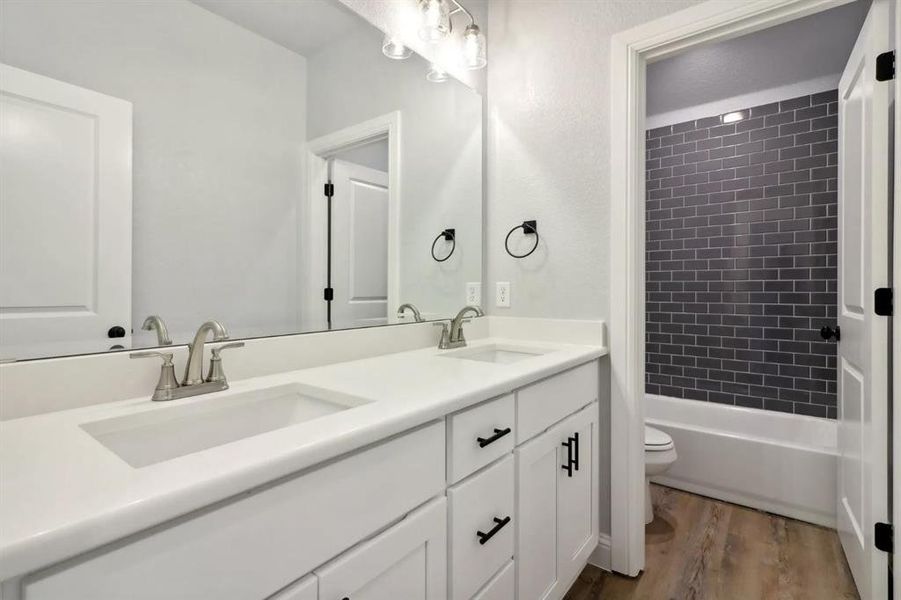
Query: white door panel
[65,212]
[359,245]
[863,361]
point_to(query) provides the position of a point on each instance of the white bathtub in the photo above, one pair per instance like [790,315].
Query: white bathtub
[777,462]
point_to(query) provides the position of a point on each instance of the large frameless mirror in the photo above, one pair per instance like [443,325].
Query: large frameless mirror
[280,166]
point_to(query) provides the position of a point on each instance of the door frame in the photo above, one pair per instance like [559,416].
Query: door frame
[631,51]
[311,275]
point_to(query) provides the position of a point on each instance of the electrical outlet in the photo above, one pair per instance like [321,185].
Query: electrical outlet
[502,296]
[474,293]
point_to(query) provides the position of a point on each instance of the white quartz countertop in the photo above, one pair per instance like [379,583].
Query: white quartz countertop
[62,493]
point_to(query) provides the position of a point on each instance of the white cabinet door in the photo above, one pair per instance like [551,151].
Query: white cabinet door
[557,506]
[65,213]
[577,495]
[407,561]
[538,463]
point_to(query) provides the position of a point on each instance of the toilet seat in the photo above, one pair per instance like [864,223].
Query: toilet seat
[656,440]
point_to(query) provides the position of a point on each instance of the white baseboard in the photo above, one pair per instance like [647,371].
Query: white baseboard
[600,558]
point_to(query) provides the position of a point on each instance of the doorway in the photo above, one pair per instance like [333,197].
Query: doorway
[350,221]
[632,51]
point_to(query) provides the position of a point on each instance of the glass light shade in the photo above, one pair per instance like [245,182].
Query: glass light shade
[436,74]
[392,48]
[436,23]
[474,48]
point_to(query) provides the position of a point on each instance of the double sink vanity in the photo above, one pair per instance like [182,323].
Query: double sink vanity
[464,473]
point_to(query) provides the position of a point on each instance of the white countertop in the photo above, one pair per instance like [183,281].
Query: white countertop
[62,493]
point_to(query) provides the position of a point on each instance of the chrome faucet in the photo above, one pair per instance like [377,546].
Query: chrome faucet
[417,316]
[154,322]
[193,384]
[194,369]
[453,337]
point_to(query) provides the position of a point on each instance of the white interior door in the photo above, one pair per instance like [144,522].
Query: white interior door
[359,246]
[864,354]
[65,213]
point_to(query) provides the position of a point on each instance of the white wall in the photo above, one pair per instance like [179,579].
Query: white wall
[373,155]
[548,99]
[219,125]
[547,156]
[794,59]
[441,157]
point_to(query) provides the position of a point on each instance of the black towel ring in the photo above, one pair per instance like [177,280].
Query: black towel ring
[528,228]
[449,235]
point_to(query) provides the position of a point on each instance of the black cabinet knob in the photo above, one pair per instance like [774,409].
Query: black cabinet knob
[828,333]
[116,331]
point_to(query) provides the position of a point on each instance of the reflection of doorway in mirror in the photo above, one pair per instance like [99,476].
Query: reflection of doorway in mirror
[359,236]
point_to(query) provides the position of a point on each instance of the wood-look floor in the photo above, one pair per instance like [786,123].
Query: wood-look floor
[703,549]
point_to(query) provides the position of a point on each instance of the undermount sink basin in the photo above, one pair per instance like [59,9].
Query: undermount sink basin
[155,436]
[503,355]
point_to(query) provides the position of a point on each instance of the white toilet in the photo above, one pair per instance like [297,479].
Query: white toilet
[659,454]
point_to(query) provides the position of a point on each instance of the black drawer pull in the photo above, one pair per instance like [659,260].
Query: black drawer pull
[498,525]
[498,434]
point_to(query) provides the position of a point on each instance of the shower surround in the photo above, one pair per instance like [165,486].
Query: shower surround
[742,257]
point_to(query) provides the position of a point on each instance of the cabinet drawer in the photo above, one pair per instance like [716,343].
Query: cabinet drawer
[481,527]
[479,436]
[260,542]
[540,405]
[500,587]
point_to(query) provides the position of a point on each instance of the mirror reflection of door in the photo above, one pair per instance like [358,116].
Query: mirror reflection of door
[359,236]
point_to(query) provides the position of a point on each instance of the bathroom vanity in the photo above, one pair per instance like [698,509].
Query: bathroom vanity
[468,473]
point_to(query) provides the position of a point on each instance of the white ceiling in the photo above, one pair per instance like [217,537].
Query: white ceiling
[801,50]
[303,26]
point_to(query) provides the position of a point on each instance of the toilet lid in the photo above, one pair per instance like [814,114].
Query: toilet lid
[654,439]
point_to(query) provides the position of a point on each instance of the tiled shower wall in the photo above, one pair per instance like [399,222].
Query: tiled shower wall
[741,257]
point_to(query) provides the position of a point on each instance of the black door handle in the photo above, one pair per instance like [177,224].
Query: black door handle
[498,434]
[498,525]
[116,331]
[828,333]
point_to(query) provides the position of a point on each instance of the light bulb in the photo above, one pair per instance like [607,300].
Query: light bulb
[436,24]
[436,74]
[394,49]
[473,48]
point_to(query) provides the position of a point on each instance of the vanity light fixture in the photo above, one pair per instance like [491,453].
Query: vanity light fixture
[436,74]
[394,49]
[437,25]
[474,48]
[436,21]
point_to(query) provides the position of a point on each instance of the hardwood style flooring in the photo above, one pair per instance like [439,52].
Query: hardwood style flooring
[704,549]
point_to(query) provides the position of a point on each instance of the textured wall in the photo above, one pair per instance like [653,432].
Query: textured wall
[548,157]
[741,257]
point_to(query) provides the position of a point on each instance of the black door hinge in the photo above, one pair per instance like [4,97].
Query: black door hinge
[884,537]
[882,302]
[328,294]
[885,66]
[329,189]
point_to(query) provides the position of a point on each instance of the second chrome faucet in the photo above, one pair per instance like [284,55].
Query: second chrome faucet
[452,337]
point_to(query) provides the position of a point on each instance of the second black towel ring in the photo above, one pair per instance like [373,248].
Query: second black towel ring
[449,235]
[528,228]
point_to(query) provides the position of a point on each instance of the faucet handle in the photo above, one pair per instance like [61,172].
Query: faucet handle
[216,373]
[167,382]
[166,356]
[215,351]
